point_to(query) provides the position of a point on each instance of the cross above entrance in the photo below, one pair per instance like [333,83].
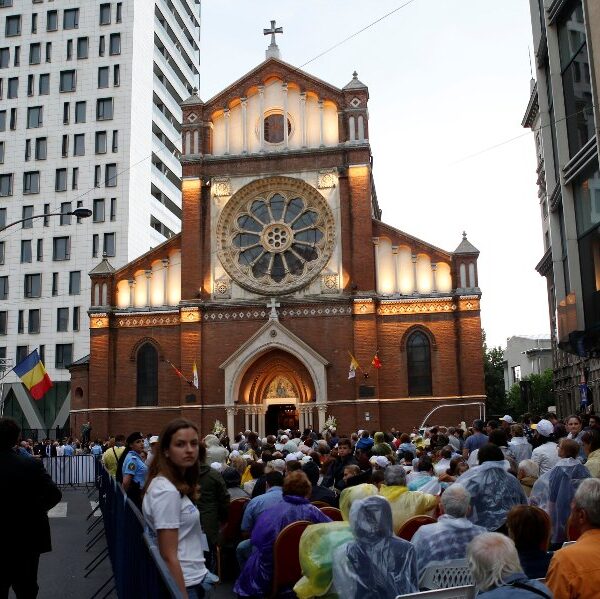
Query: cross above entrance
[273,304]
[273,49]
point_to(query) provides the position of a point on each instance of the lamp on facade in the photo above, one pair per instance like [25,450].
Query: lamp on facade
[78,212]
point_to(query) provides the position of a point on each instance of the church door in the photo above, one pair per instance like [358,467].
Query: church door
[281,417]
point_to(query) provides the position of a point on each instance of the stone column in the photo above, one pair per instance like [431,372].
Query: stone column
[244,102]
[376,246]
[165,264]
[254,427]
[415,283]
[261,96]
[226,114]
[284,91]
[261,421]
[131,292]
[433,277]
[396,259]
[246,418]
[321,123]
[301,417]
[303,117]
[148,274]
[230,421]
[322,415]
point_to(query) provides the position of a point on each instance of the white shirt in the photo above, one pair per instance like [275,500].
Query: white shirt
[545,456]
[441,466]
[164,508]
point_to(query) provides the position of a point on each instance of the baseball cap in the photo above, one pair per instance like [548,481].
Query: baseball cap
[545,428]
[154,439]
[507,419]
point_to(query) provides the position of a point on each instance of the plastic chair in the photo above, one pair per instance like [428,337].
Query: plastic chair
[286,556]
[410,527]
[464,592]
[320,504]
[231,530]
[332,512]
[449,574]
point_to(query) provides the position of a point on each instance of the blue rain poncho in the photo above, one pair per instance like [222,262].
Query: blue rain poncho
[493,493]
[554,491]
[376,564]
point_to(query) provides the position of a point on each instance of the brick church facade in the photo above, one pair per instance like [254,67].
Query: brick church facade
[283,268]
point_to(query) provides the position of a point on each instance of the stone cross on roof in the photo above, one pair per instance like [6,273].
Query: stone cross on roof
[273,304]
[273,50]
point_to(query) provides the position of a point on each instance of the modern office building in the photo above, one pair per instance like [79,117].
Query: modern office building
[563,113]
[525,355]
[89,118]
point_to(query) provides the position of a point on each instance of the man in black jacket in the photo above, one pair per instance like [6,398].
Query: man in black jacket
[27,494]
[335,474]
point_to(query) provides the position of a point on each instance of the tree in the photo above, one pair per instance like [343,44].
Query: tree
[493,367]
[541,395]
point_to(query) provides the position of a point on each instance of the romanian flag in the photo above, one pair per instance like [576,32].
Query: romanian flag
[33,374]
[195,380]
[353,366]
[376,361]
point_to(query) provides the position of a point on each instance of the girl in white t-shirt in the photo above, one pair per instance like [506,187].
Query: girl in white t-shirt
[169,506]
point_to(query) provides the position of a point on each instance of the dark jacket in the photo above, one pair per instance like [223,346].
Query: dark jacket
[27,494]
[335,474]
[213,503]
[322,494]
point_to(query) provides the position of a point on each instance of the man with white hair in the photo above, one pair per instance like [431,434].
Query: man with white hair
[448,538]
[574,571]
[497,572]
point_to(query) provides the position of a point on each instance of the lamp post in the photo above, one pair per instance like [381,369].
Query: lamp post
[78,212]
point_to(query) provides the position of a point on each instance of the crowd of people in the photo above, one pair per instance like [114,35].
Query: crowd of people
[507,499]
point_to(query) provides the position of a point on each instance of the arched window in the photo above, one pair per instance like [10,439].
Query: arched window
[147,375]
[418,351]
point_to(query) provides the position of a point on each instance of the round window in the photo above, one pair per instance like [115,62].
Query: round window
[275,235]
[274,132]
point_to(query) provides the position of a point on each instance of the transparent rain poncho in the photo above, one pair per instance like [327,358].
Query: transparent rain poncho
[493,493]
[376,564]
[554,491]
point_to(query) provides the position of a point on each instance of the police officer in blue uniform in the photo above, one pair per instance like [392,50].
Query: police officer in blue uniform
[132,470]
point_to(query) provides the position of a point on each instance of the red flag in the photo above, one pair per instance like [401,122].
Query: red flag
[376,361]
[179,373]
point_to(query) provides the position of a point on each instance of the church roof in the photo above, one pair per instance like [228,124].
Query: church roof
[412,239]
[103,268]
[193,99]
[260,73]
[466,247]
[355,83]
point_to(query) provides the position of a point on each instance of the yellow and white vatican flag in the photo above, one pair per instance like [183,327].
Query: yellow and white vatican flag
[195,380]
[354,365]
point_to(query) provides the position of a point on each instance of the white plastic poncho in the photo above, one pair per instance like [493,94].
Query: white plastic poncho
[376,565]
[554,491]
[520,448]
[493,493]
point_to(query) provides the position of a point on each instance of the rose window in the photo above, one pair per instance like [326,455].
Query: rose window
[274,240]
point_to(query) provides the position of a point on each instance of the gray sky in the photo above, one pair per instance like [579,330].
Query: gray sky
[447,79]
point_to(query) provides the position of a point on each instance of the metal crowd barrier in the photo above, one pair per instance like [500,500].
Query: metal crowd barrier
[73,471]
[138,568]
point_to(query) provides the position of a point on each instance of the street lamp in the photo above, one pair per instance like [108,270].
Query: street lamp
[78,212]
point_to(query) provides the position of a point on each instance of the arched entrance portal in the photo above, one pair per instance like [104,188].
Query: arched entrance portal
[276,392]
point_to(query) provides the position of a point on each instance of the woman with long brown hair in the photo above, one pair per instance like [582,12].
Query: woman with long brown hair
[169,506]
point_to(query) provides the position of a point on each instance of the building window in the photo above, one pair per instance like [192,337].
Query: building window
[46,213]
[61,249]
[63,356]
[100,144]
[35,53]
[48,51]
[418,350]
[115,141]
[30,85]
[60,183]
[32,286]
[76,318]
[6,185]
[80,110]
[13,119]
[95,244]
[82,47]
[40,250]
[105,14]
[110,175]
[119,12]
[13,26]
[4,58]
[52,20]
[65,146]
[17,56]
[27,150]
[2,251]
[103,74]
[71,18]
[62,320]
[104,109]
[69,49]
[54,283]
[101,46]
[21,353]
[35,117]
[66,113]
[1,152]
[31,182]
[115,44]
[3,288]
[68,81]
[65,216]
[27,217]
[2,217]
[20,322]
[33,321]
[44,84]
[108,248]
[34,21]
[2,120]
[147,375]
[3,322]
[116,75]
[75,179]
[42,352]
[79,144]
[26,250]
[98,211]
[75,282]
[13,88]
[97,175]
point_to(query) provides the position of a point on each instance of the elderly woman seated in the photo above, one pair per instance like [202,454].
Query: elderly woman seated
[255,578]
[497,572]
[376,564]
[529,528]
